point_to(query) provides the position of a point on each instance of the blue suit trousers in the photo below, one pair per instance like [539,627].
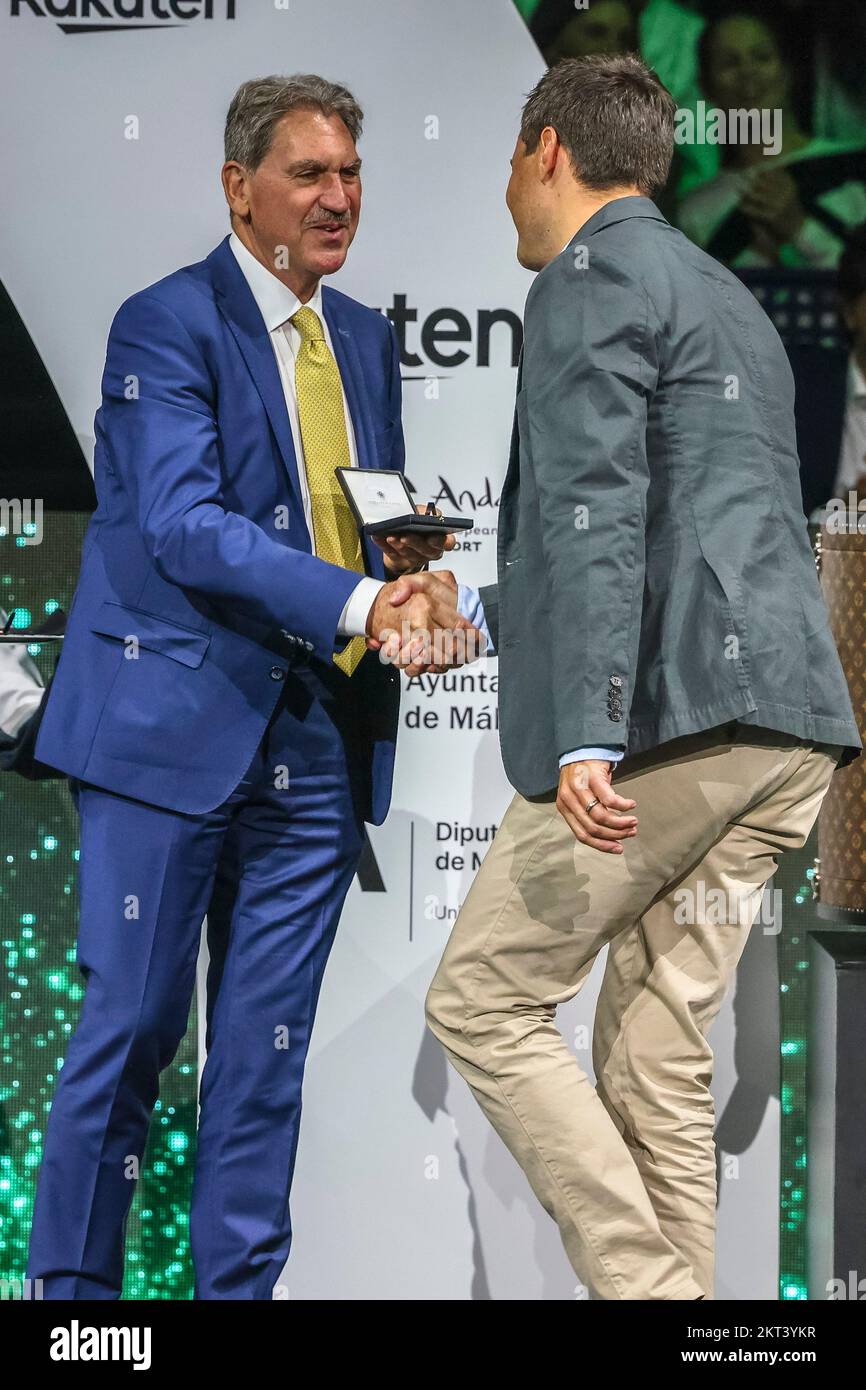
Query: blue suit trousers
[271,867]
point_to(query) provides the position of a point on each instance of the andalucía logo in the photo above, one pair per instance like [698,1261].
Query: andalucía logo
[104,16]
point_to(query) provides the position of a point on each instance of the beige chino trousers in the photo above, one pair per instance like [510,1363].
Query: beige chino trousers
[625,1167]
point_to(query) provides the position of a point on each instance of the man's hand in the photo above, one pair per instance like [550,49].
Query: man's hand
[592,808]
[414,623]
[409,552]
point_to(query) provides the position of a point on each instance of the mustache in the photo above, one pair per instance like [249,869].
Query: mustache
[341,219]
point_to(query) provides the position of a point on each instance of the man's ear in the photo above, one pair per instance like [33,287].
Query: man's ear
[548,152]
[234,183]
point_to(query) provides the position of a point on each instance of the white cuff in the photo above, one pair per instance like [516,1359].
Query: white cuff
[353,619]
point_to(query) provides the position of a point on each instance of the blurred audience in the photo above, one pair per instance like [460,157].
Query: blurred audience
[797,214]
[22,697]
[794,208]
[605,26]
[791,209]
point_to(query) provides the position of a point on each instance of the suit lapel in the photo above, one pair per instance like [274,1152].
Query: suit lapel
[513,469]
[357,398]
[241,313]
[352,376]
[506,525]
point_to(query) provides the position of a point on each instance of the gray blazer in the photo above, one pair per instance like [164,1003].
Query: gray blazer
[655,572]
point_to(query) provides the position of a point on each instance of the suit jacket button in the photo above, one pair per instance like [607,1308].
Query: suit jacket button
[277,673]
[614,715]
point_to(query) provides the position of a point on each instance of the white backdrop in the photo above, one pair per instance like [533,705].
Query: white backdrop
[401,1190]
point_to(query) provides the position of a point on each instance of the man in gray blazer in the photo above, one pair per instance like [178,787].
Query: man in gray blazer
[657,613]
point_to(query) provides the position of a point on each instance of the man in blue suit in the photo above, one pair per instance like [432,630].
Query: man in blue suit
[216,688]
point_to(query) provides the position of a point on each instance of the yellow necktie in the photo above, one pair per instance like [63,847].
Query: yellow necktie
[326,446]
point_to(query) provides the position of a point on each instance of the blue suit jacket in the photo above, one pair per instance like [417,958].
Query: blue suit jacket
[199,548]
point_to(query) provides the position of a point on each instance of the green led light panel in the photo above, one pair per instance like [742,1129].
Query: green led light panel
[42,986]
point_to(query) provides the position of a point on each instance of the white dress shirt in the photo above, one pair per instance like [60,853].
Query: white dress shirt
[276,304]
[852,455]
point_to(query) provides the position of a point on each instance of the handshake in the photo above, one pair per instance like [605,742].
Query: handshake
[415,625]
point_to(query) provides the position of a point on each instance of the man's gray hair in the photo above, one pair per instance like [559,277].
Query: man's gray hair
[257,105]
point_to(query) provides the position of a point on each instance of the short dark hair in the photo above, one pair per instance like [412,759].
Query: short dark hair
[613,116]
